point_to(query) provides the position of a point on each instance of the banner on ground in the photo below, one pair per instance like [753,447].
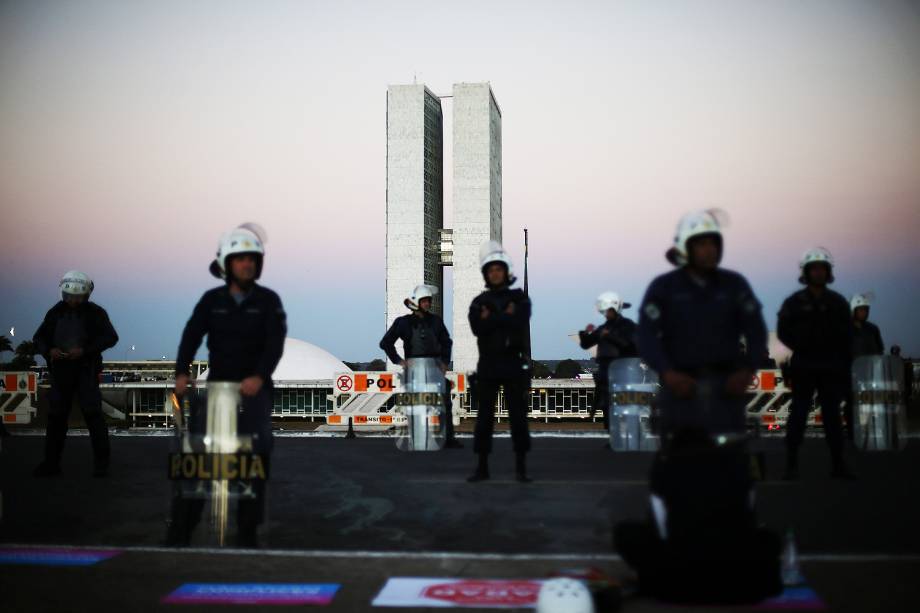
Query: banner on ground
[446,592]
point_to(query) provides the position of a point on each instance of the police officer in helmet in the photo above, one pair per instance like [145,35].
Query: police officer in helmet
[423,335]
[246,326]
[71,338]
[500,318]
[690,323]
[703,543]
[814,323]
[615,339]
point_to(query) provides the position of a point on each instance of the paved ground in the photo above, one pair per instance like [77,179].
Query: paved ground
[358,511]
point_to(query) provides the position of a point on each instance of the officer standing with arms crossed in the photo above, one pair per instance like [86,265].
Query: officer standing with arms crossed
[246,326]
[424,336]
[500,320]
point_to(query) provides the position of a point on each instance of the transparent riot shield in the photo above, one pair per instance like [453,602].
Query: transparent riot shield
[633,392]
[211,464]
[420,407]
[879,414]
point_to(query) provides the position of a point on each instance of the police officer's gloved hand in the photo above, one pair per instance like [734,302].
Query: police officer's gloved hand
[680,384]
[738,382]
[181,385]
[250,386]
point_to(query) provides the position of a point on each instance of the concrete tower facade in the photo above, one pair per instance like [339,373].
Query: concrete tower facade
[477,200]
[415,198]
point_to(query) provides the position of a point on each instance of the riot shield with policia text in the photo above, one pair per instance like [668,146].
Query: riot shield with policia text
[633,393]
[211,464]
[422,406]
[879,411]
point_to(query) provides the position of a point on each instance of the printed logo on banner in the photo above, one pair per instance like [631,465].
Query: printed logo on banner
[486,593]
[447,592]
[53,557]
[254,593]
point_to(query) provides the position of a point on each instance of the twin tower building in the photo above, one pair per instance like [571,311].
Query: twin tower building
[418,244]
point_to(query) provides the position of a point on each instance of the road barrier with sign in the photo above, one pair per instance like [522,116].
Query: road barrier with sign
[18,392]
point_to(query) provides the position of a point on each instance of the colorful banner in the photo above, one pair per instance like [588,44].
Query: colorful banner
[54,557]
[254,593]
[795,599]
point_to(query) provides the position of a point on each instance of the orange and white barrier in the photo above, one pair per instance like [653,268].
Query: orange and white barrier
[18,392]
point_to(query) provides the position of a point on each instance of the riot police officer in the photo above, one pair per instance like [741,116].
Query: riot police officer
[246,326]
[867,338]
[71,338]
[815,324]
[423,335]
[615,339]
[689,326]
[704,525]
[500,320]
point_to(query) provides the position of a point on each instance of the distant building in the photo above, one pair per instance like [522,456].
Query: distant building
[417,243]
[477,201]
[415,195]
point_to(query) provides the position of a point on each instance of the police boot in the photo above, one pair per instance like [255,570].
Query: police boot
[520,467]
[482,469]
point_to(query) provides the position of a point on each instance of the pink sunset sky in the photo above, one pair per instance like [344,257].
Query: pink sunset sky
[133,133]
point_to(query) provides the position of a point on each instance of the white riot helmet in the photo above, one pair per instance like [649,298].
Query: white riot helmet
[564,595]
[610,300]
[420,292]
[245,238]
[491,252]
[861,300]
[76,283]
[817,255]
[692,225]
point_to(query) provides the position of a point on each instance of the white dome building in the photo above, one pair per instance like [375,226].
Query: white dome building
[302,362]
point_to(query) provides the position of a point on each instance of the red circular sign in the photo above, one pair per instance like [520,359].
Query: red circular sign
[343,383]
